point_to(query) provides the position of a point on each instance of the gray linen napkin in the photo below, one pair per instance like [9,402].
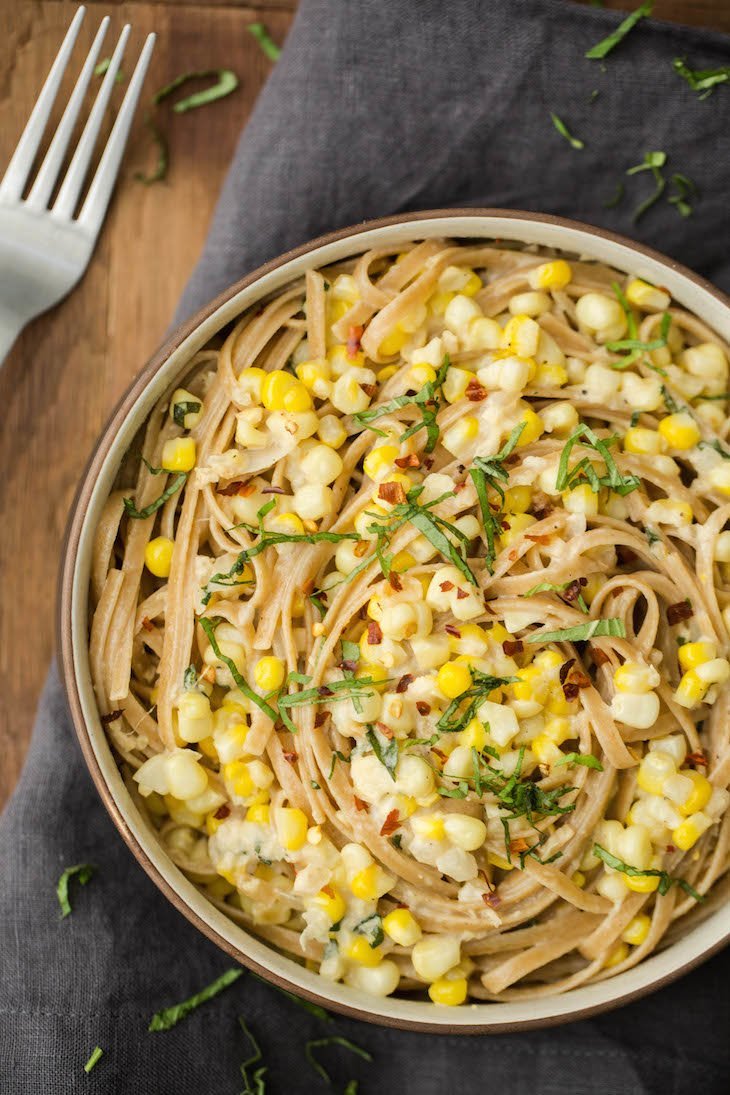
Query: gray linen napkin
[376,107]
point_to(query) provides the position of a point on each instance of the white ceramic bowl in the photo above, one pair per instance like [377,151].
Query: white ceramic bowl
[692,292]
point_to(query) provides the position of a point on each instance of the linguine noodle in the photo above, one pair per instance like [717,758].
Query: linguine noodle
[411,631]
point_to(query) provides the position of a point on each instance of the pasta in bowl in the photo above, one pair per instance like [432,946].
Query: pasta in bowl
[409,632]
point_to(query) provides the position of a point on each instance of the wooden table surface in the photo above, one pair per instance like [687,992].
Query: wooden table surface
[71,365]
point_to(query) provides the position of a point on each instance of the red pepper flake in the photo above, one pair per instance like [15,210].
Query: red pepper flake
[406,680]
[328,890]
[423,708]
[565,669]
[570,690]
[682,610]
[291,756]
[147,624]
[446,586]
[600,657]
[697,759]
[539,537]
[513,646]
[572,592]
[441,755]
[428,462]
[475,392]
[320,719]
[391,823]
[222,811]
[354,334]
[232,488]
[670,849]
[111,717]
[393,493]
[273,490]
[359,804]
[361,548]
[518,845]
[369,389]
[375,634]
[452,629]
[461,594]
[394,582]
[412,460]
[491,900]
[348,665]
[460,486]
[385,730]
[541,506]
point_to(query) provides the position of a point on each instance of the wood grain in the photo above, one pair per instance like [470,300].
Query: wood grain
[70,366]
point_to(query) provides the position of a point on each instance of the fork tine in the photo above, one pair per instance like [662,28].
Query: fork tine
[46,178]
[19,167]
[68,195]
[97,199]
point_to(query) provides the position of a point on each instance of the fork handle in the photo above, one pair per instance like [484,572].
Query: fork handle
[10,328]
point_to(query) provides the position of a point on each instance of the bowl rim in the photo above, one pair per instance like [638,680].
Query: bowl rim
[69,671]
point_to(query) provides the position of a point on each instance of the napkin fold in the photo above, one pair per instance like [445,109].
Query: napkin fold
[375,107]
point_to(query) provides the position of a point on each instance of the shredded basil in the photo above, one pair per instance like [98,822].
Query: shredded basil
[574,142]
[584,471]
[653,161]
[265,41]
[489,471]
[170,1017]
[180,410]
[372,928]
[701,80]
[560,587]
[460,791]
[334,1040]
[254,1084]
[427,401]
[141,514]
[227,82]
[464,708]
[604,47]
[615,198]
[95,1055]
[209,628]
[637,344]
[686,191]
[385,749]
[81,872]
[103,67]
[612,626]
[337,755]
[666,881]
[586,759]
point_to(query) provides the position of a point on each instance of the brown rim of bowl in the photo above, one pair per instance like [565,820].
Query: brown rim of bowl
[64,629]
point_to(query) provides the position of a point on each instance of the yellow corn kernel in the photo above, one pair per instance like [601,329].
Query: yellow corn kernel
[474,736]
[453,678]
[289,523]
[615,957]
[364,883]
[229,876]
[690,690]
[638,439]
[220,888]
[291,826]
[693,654]
[636,930]
[550,376]
[428,826]
[269,673]
[647,296]
[472,285]
[557,704]
[581,499]
[518,499]
[402,927]
[700,794]
[331,431]
[521,335]
[578,879]
[635,678]
[545,750]
[238,778]
[499,861]
[375,673]
[402,561]
[359,950]
[448,993]
[178,454]
[393,343]
[550,275]
[533,427]
[158,556]
[379,462]
[280,391]
[315,376]
[529,685]
[558,729]
[251,381]
[332,903]
[656,767]
[690,831]
[208,749]
[439,302]
[642,883]
[421,373]
[386,373]
[259,813]
[548,661]
[212,823]
[680,431]
[463,431]
[518,523]
[338,307]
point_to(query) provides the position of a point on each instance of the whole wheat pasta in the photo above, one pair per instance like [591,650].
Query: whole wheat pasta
[410,621]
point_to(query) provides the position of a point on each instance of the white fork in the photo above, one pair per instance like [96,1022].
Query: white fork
[44,251]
